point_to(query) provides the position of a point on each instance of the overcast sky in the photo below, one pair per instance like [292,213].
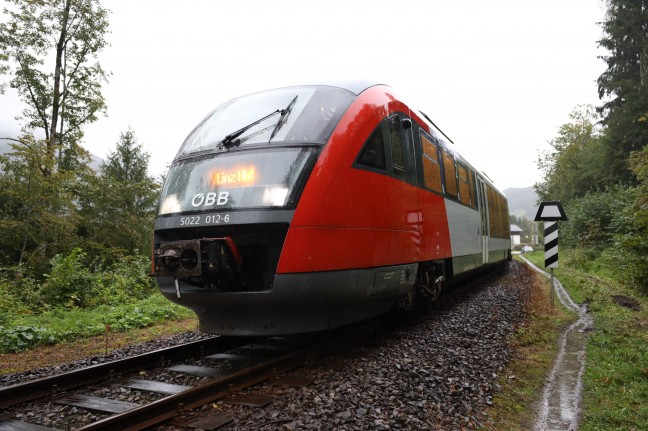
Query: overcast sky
[499,77]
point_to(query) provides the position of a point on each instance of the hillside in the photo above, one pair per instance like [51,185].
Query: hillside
[522,200]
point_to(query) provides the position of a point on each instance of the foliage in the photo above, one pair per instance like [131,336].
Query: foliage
[625,82]
[119,207]
[579,161]
[634,239]
[51,48]
[56,325]
[23,337]
[595,219]
[70,282]
[37,213]
[75,280]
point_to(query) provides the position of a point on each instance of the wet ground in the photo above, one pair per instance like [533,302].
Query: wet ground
[559,408]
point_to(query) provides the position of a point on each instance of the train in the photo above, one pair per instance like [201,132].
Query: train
[307,208]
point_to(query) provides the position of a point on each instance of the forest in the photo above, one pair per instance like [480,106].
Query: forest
[598,162]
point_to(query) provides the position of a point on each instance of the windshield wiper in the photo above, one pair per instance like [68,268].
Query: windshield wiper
[282,119]
[230,140]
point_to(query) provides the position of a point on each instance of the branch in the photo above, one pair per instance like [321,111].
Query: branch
[78,124]
[19,141]
[32,96]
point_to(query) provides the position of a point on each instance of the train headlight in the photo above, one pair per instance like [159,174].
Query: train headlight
[275,196]
[170,205]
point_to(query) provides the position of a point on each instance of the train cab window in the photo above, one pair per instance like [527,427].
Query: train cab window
[373,153]
[431,166]
[450,174]
[397,146]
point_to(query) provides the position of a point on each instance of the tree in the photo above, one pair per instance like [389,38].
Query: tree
[578,161]
[634,239]
[63,96]
[121,210]
[625,82]
[38,214]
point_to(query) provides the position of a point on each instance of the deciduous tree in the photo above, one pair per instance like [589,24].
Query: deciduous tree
[577,162]
[50,48]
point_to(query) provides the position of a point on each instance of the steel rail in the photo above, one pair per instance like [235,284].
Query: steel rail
[27,391]
[169,407]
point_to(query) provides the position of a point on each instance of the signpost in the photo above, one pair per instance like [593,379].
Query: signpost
[551,212]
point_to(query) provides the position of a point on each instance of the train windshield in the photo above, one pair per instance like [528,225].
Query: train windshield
[262,178]
[303,114]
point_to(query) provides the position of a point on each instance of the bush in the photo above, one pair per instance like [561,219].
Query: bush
[70,283]
[126,280]
[75,281]
[23,337]
[595,218]
[61,324]
[19,293]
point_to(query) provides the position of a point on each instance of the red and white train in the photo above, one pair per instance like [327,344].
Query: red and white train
[310,207]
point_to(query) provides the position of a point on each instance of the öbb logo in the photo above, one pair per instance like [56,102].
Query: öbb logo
[209,199]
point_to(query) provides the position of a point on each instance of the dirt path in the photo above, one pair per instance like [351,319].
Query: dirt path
[559,408]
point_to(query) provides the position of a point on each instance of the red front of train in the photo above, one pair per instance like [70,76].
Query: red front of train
[300,209]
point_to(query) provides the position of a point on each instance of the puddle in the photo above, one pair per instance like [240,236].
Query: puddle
[559,409]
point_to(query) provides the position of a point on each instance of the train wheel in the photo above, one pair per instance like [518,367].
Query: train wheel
[431,281]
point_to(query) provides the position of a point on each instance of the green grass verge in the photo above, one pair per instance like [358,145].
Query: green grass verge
[27,331]
[615,395]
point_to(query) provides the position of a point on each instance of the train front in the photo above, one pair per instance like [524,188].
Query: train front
[226,207]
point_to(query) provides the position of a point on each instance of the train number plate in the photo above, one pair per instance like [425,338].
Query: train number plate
[205,220]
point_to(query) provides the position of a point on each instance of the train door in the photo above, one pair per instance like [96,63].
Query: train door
[483,211]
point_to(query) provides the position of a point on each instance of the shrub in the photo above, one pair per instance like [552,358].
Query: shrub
[23,337]
[126,280]
[595,218]
[70,283]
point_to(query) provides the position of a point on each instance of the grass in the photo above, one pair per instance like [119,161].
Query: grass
[73,350]
[616,375]
[27,331]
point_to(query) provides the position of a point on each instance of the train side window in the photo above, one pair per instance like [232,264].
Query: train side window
[450,174]
[373,153]
[464,186]
[471,184]
[431,166]
[397,146]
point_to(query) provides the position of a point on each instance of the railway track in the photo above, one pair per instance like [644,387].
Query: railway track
[222,366]
[246,363]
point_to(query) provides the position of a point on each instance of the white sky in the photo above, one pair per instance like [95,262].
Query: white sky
[499,77]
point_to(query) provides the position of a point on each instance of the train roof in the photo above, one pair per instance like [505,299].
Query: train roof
[354,86]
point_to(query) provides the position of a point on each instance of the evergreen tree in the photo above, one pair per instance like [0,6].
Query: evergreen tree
[625,82]
[122,199]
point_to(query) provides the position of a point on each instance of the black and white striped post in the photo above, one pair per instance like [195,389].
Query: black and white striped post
[551,244]
[551,212]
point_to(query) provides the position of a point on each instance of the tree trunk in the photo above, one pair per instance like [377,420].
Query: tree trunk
[56,99]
